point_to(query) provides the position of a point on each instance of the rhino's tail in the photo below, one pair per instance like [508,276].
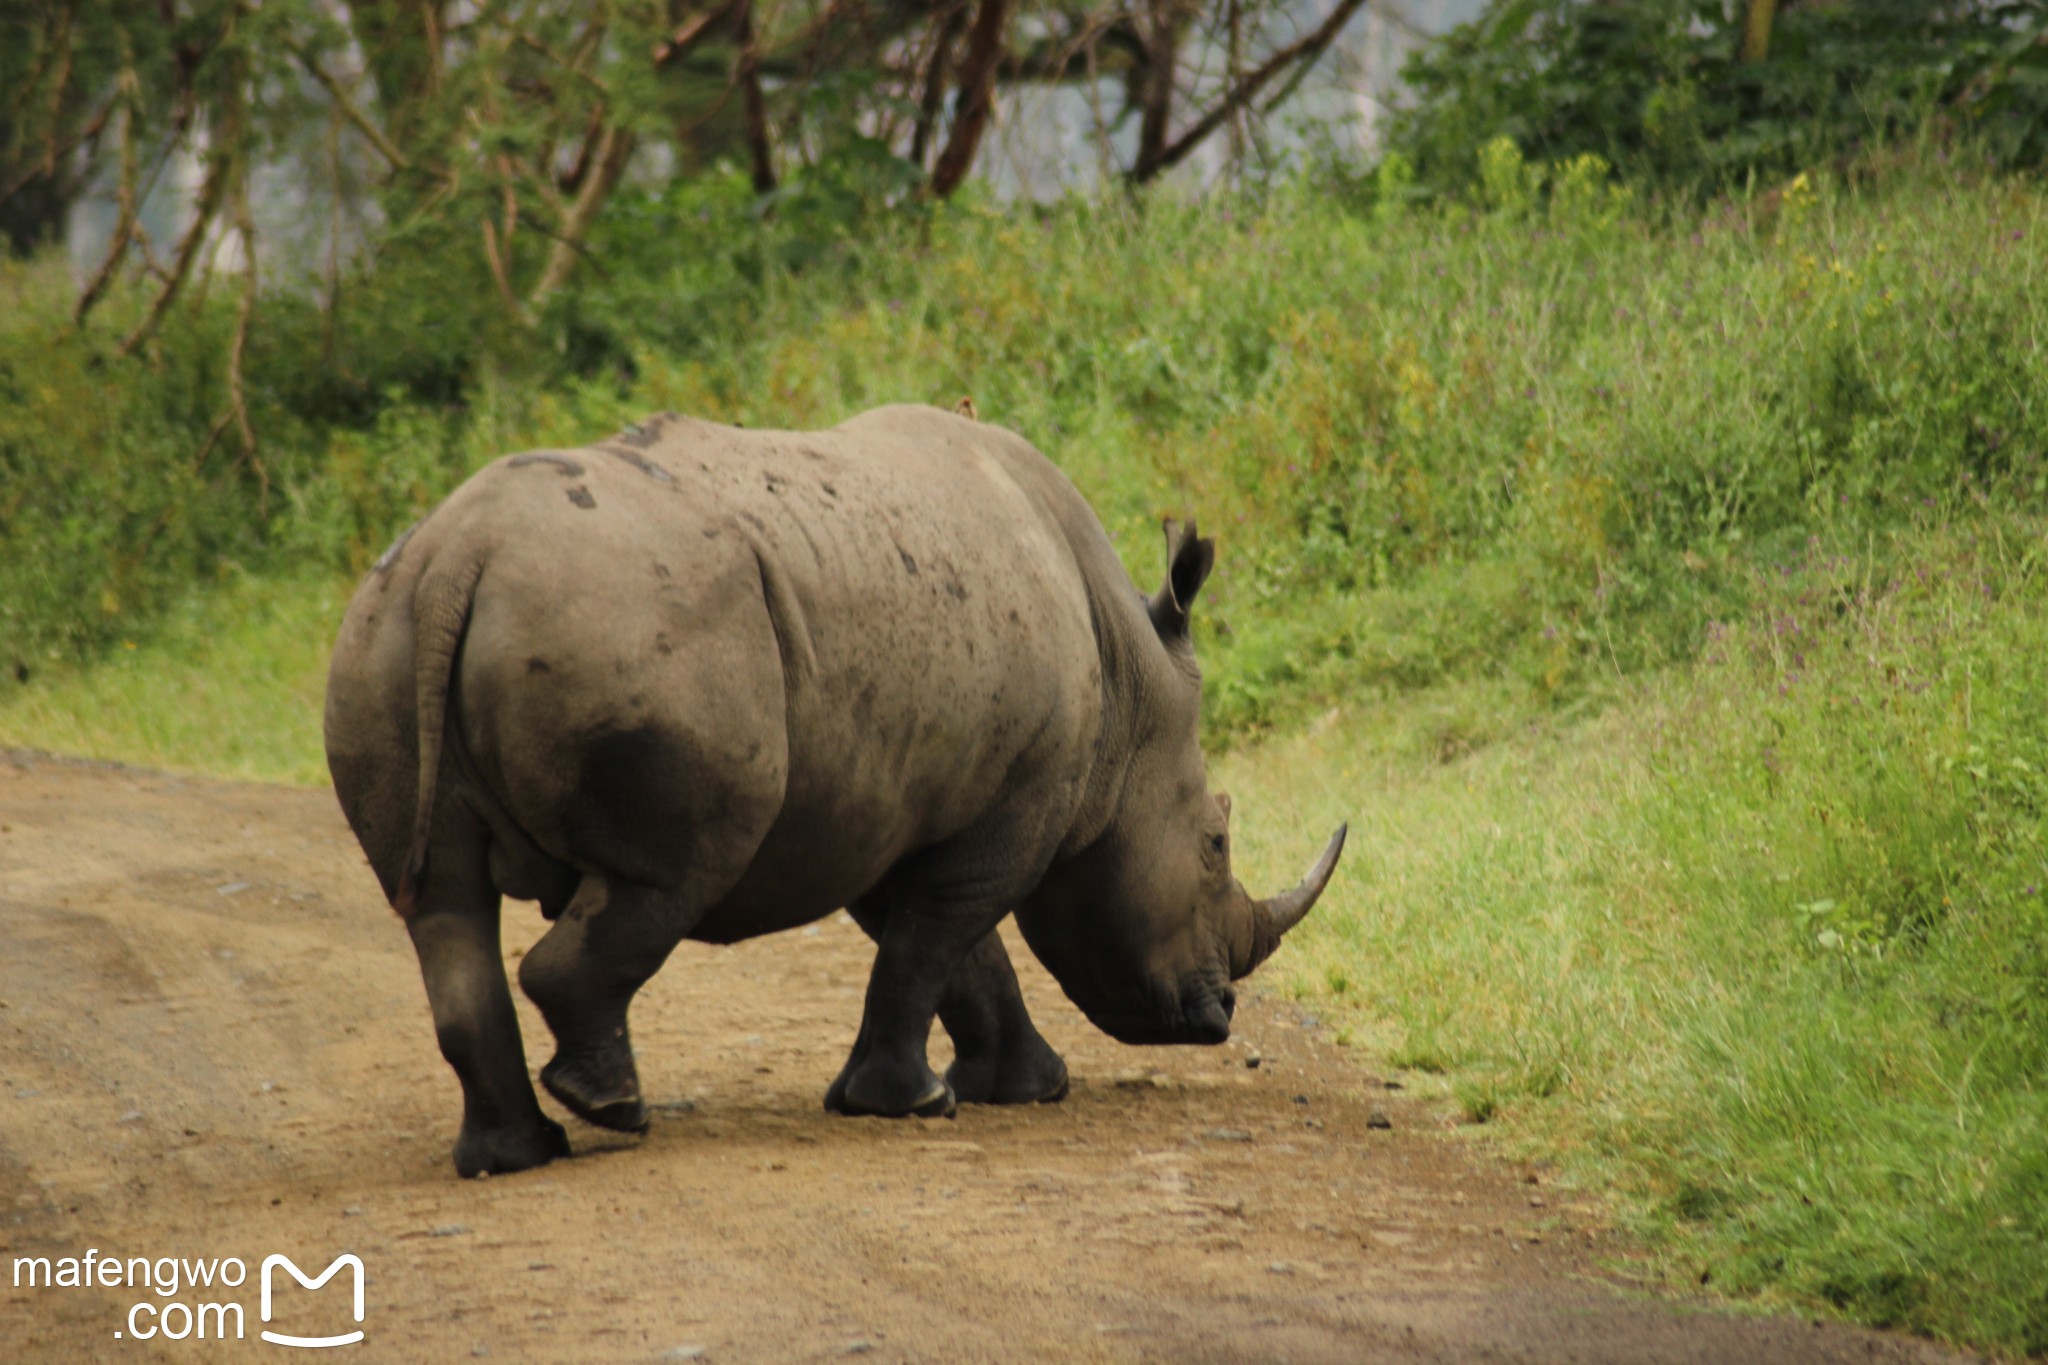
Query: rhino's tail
[440,615]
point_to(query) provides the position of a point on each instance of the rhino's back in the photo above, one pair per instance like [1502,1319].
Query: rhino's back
[935,637]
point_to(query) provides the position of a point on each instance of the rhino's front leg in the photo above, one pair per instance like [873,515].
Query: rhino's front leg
[918,951]
[999,1056]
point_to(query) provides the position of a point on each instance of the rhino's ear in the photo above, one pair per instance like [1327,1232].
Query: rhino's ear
[1188,561]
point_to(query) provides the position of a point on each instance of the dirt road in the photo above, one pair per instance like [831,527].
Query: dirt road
[213,1043]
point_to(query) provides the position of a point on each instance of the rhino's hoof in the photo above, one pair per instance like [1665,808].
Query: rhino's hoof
[616,1106]
[621,1116]
[943,1104]
[500,1151]
[1038,1078]
[858,1101]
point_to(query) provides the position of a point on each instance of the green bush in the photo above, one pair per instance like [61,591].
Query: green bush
[112,498]
[1657,88]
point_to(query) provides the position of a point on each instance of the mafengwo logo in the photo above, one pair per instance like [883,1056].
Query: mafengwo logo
[351,1261]
[188,1302]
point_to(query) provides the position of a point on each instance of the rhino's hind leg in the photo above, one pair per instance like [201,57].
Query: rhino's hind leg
[583,975]
[455,933]
[998,1055]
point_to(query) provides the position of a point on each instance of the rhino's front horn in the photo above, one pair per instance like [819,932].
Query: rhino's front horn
[1286,910]
[1272,918]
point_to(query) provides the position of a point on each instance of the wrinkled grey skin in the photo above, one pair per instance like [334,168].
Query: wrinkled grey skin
[700,682]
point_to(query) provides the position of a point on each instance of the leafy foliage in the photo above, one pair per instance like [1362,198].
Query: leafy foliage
[1542,440]
[1660,90]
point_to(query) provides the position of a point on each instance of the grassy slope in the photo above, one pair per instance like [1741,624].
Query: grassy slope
[1763,945]
[229,683]
[1581,565]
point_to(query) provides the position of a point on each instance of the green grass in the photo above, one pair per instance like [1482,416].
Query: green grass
[229,683]
[1659,597]
[1763,948]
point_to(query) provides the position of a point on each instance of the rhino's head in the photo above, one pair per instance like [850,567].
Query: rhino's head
[1147,928]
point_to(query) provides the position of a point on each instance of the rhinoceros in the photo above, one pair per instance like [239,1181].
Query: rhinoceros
[705,682]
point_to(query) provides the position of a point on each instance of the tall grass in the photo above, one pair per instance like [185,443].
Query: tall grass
[1659,594]
[1539,441]
[1765,946]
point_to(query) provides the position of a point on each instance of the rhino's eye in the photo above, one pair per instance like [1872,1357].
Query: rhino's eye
[1216,844]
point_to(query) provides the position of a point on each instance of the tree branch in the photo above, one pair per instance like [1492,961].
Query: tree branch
[58,89]
[616,150]
[349,108]
[571,180]
[496,262]
[690,33]
[124,225]
[1756,29]
[1155,83]
[245,309]
[933,101]
[977,97]
[39,169]
[747,71]
[1305,50]
[211,193]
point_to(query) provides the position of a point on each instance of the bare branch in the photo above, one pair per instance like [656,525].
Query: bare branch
[211,192]
[245,309]
[691,32]
[572,65]
[617,149]
[38,170]
[330,316]
[350,110]
[571,180]
[54,31]
[1304,50]
[1233,72]
[124,225]
[497,265]
[189,56]
[1756,29]
[1105,154]
[58,90]
[1156,79]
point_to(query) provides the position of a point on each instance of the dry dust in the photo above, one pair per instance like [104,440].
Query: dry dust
[213,1042]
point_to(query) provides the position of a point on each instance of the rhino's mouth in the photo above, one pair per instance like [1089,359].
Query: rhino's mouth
[1208,1014]
[1198,1014]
